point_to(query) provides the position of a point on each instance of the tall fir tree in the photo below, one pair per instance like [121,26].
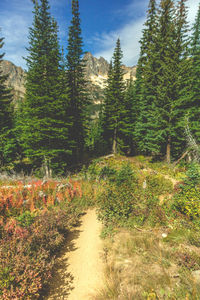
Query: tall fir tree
[192,101]
[158,127]
[43,126]
[183,77]
[166,89]
[107,110]
[114,115]
[6,113]
[78,105]
[146,81]
[172,57]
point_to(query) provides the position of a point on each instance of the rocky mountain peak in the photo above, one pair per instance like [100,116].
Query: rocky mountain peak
[96,72]
[16,78]
[95,66]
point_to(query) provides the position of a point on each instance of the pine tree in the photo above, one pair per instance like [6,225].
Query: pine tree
[76,83]
[193,102]
[183,77]
[6,113]
[43,125]
[158,127]
[165,110]
[107,110]
[129,117]
[145,85]
[114,115]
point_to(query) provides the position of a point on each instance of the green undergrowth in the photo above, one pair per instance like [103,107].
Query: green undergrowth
[151,224]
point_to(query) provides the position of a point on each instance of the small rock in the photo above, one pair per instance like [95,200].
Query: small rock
[164,235]
[144,185]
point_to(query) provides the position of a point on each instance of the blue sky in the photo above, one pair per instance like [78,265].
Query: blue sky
[103,21]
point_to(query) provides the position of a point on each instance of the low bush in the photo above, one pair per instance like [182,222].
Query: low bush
[187,198]
[158,185]
[27,250]
[34,221]
[116,205]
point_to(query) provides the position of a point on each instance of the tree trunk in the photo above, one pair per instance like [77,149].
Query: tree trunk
[46,167]
[114,148]
[182,157]
[168,152]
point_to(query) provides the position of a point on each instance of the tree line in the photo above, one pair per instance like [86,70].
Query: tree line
[149,115]
[52,128]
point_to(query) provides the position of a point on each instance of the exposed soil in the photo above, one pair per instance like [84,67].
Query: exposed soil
[79,271]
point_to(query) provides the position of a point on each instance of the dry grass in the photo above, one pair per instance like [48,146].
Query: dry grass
[140,265]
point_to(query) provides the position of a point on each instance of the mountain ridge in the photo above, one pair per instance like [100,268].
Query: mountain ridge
[96,73]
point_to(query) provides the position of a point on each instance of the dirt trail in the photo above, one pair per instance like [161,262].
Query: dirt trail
[80,268]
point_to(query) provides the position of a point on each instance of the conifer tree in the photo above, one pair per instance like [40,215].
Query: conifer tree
[158,123]
[145,85]
[173,60]
[107,109]
[183,64]
[114,116]
[76,83]
[165,110]
[131,114]
[193,101]
[43,126]
[6,113]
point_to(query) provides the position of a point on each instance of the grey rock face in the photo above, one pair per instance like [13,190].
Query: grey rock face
[96,70]
[16,78]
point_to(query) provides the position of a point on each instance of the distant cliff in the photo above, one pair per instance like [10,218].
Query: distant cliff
[96,71]
[16,78]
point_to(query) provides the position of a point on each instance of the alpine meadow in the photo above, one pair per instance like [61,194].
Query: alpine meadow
[100,162]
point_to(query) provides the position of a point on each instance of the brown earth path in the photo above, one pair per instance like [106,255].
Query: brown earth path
[79,274]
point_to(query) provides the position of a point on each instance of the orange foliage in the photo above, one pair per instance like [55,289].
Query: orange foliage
[36,195]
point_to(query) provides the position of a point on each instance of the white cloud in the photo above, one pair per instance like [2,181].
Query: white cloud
[192,10]
[16,18]
[129,36]
[131,33]
[14,26]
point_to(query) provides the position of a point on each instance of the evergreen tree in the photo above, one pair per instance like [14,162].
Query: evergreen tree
[173,61]
[107,110]
[192,101]
[183,77]
[158,129]
[6,114]
[76,83]
[145,85]
[165,110]
[130,116]
[160,107]
[43,125]
[114,115]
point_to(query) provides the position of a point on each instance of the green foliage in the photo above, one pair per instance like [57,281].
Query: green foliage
[158,129]
[115,121]
[158,185]
[193,174]
[116,205]
[41,123]
[26,219]
[78,101]
[6,117]
[108,173]
[192,90]
[126,176]
[187,199]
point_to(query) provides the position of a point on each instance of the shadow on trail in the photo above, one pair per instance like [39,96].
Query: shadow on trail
[61,283]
